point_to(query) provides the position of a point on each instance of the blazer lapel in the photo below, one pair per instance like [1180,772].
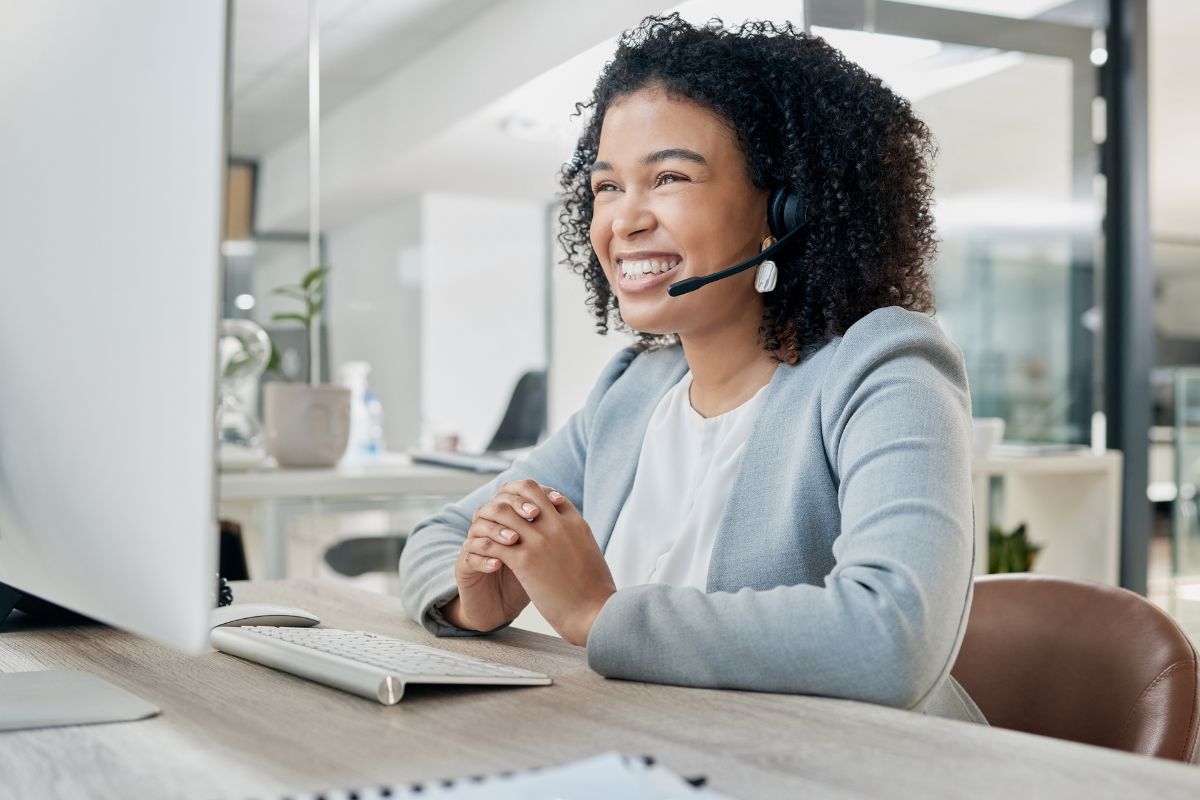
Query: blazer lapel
[750,497]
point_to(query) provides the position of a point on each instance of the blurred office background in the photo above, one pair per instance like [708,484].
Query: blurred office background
[443,125]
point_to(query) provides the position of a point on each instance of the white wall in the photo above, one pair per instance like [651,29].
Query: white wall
[375,311]
[1174,118]
[577,352]
[483,324]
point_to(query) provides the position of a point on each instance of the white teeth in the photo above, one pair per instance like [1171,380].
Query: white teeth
[639,269]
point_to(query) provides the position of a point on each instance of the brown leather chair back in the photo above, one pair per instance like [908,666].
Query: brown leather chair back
[1081,661]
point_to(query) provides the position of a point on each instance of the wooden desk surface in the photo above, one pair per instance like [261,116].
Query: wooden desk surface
[234,729]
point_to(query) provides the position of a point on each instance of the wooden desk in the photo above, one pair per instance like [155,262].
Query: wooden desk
[233,729]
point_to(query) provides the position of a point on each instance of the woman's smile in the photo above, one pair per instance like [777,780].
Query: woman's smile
[643,271]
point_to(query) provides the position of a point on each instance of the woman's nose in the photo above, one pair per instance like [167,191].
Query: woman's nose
[632,217]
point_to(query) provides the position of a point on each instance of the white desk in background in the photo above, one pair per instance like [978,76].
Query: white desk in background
[392,475]
[1070,503]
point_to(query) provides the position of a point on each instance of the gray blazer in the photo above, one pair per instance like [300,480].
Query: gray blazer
[843,563]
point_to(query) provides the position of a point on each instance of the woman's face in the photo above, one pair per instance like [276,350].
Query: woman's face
[672,196]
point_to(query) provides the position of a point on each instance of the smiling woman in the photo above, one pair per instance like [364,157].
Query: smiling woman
[770,490]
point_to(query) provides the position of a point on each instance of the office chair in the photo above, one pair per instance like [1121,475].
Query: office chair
[1081,661]
[521,426]
[231,562]
[361,554]
[525,418]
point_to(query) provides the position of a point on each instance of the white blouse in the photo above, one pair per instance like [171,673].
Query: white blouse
[666,530]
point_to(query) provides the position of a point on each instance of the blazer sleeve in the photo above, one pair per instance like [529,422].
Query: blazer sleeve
[889,619]
[427,560]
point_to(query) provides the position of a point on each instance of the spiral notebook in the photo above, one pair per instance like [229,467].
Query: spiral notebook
[603,777]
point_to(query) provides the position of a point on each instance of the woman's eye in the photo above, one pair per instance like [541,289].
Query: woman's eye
[665,178]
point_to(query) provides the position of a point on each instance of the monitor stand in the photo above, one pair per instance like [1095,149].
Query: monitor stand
[40,613]
[52,698]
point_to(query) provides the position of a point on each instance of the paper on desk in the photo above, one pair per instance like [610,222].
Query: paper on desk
[602,777]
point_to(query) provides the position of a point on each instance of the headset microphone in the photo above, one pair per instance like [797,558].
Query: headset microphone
[785,218]
[692,284]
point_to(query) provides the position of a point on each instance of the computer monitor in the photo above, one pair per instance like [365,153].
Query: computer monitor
[111,184]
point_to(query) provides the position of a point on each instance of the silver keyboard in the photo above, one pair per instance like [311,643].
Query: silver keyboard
[371,666]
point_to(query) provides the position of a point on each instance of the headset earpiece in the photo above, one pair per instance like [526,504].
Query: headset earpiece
[785,211]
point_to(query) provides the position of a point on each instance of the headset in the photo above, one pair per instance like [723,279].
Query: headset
[786,209]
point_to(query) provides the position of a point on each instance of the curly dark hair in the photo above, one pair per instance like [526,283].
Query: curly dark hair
[862,156]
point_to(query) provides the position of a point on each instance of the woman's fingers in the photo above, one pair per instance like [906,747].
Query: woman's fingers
[486,529]
[533,494]
[561,503]
[483,555]
[475,558]
[526,499]
[502,514]
[482,563]
[518,503]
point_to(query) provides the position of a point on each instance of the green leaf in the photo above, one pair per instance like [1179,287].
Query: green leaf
[1011,552]
[303,320]
[314,275]
[291,291]
[275,363]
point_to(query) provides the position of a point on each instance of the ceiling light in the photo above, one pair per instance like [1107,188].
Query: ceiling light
[1020,9]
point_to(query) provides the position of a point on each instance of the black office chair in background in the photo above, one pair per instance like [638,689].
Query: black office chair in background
[521,426]
[525,418]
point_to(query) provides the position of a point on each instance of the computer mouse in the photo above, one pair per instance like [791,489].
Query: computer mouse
[240,614]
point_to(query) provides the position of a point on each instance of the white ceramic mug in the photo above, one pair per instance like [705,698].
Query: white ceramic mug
[986,433]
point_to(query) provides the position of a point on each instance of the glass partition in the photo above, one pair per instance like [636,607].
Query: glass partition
[1185,528]
[254,268]
[1008,90]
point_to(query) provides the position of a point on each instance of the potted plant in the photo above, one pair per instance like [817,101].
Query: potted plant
[1010,552]
[307,424]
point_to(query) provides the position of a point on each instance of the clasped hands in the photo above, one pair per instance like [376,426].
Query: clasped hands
[530,544]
